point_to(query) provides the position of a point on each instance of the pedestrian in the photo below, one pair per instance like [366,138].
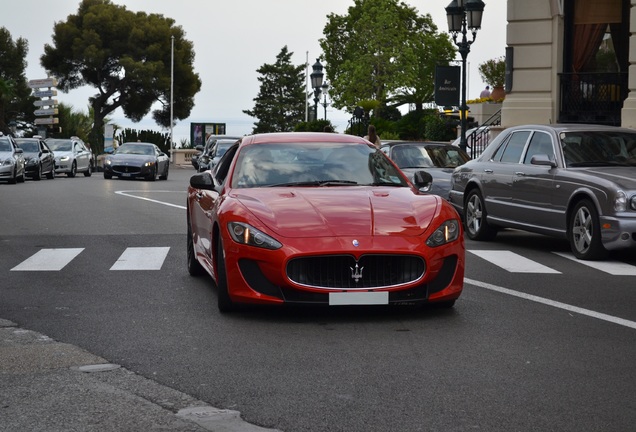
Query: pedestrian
[373,136]
[485,93]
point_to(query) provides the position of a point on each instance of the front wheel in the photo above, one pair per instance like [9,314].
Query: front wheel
[225,303]
[584,232]
[194,266]
[89,171]
[38,173]
[73,170]
[475,215]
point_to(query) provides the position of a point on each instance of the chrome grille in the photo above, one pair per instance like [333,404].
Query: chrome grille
[126,169]
[339,271]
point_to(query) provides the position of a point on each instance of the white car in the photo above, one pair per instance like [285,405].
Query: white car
[71,156]
[11,160]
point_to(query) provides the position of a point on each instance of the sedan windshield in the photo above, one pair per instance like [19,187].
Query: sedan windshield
[428,156]
[313,164]
[598,148]
[28,146]
[5,145]
[137,149]
[60,145]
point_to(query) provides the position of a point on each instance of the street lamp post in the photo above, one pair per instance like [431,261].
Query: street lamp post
[316,83]
[464,15]
[325,87]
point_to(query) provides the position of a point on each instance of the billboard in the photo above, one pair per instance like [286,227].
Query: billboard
[199,132]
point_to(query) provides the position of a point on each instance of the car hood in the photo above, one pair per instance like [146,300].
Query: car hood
[131,158]
[5,155]
[623,176]
[59,154]
[340,211]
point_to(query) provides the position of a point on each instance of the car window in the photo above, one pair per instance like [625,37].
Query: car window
[514,148]
[540,143]
[222,168]
[5,145]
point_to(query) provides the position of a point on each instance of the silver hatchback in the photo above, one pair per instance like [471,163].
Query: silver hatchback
[572,181]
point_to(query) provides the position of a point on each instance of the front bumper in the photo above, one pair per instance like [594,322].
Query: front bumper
[128,171]
[618,232]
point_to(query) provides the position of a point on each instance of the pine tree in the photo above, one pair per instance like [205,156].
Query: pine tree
[280,103]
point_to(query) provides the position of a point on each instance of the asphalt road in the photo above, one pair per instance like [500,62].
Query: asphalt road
[545,345]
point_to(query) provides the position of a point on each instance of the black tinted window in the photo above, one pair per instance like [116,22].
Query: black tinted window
[514,148]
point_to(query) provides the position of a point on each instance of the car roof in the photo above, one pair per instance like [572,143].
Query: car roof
[137,143]
[565,127]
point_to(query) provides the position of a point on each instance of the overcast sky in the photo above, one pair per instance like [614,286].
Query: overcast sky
[234,38]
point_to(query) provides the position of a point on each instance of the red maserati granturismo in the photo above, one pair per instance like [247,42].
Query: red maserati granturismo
[321,219]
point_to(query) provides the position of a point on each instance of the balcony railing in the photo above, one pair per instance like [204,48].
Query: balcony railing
[592,97]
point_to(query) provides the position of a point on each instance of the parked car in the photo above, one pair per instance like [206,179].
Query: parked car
[11,160]
[205,149]
[72,156]
[323,219]
[218,147]
[573,181]
[137,159]
[438,159]
[39,159]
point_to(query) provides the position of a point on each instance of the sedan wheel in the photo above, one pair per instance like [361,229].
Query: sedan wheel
[38,173]
[225,303]
[194,267]
[584,232]
[73,170]
[89,171]
[475,215]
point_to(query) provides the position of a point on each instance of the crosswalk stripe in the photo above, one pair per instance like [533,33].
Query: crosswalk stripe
[615,268]
[513,262]
[48,260]
[141,258]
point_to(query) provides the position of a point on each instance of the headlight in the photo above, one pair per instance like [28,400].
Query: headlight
[32,162]
[108,162]
[448,232]
[244,234]
[7,162]
[620,202]
[149,163]
[65,158]
[632,203]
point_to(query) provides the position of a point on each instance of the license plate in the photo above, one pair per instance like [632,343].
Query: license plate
[125,175]
[358,298]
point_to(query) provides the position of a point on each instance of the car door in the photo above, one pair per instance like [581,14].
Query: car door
[46,157]
[497,175]
[82,156]
[533,185]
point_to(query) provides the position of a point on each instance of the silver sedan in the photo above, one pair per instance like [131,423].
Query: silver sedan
[572,181]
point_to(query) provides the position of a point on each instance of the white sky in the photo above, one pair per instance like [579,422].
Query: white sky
[231,40]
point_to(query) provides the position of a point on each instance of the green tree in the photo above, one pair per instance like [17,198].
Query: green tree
[16,102]
[280,103]
[382,50]
[126,56]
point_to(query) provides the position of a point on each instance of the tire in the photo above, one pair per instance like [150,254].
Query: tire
[14,179]
[225,303]
[584,232]
[153,174]
[38,173]
[194,266]
[165,175]
[73,170]
[51,174]
[108,176]
[475,215]
[89,171]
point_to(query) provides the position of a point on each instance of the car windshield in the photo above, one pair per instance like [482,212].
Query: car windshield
[5,145]
[427,156]
[60,145]
[136,149]
[28,146]
[223,146]
[598,148]
[313,164]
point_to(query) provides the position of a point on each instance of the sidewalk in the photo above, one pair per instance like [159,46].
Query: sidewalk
[51,386]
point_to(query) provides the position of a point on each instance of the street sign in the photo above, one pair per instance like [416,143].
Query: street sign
[46,112]
[45,82]
[47,120]
[45,93]
[45,102]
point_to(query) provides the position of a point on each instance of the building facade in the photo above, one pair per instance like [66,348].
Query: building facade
[570,61]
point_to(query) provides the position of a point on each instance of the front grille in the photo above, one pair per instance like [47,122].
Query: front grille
[126,169]
[340,271]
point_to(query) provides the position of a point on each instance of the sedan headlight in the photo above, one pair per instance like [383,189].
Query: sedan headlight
[446,233]
[32,162]
[65,158]
[148,164]
[632,203]
[620,202]
[7,162]
[245,234]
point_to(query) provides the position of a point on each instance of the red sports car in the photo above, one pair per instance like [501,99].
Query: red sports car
[324,219]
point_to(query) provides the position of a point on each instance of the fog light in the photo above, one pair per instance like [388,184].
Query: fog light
[625,236]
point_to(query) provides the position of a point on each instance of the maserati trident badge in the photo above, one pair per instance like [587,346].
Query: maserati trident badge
[356,243]
[356,273]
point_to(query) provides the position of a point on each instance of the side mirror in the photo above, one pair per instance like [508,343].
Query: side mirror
[543,159]
[423,181]
[202,180]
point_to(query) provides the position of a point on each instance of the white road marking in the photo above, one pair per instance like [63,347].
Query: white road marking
[129,194]
[48,260]
[513,262]
[556,304]
[141,258]
[615,268]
